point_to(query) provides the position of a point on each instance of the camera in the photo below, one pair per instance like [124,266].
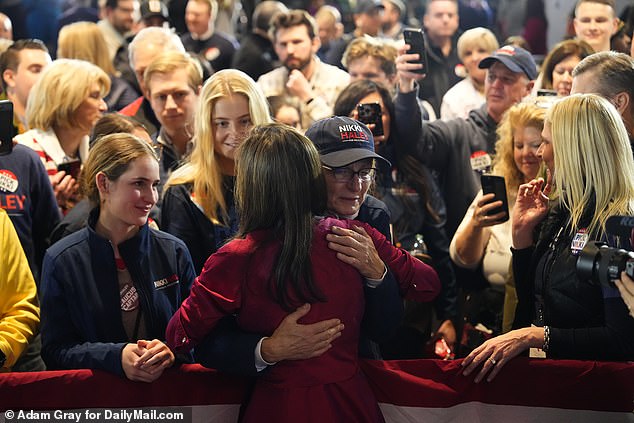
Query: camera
[603,264]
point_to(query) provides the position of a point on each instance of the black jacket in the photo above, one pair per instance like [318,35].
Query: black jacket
[181,217]
[217,50]
[255,57]
[588,321]
[411,217]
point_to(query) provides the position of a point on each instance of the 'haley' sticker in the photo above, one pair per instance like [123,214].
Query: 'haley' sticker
[8,181]
[579,241]
[480,161]
[212,53]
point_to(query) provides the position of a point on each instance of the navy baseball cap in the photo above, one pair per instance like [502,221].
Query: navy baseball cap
[516,59]
[151,8]
[342,140]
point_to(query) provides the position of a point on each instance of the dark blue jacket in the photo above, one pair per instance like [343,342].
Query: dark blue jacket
[80,310]
[27,196]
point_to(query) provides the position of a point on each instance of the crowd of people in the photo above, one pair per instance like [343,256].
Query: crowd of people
[284,196]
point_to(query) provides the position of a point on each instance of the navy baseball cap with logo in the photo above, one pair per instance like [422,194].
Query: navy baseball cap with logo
[516,59]
[342,140]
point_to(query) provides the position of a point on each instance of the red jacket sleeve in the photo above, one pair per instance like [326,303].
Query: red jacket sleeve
[215,294]
[417,281]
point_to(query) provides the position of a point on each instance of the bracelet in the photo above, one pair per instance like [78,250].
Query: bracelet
[546,338]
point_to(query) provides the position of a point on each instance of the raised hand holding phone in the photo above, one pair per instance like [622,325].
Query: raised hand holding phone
[493,206]
[370,114]
[415,38]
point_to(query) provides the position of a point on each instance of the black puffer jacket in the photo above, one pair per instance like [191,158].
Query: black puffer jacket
[587,320]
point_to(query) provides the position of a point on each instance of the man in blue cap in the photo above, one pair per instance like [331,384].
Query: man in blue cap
[457,149]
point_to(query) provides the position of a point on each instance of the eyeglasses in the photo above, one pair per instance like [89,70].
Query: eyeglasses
[345,174]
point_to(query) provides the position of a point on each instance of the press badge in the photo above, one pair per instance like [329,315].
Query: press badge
[579,241]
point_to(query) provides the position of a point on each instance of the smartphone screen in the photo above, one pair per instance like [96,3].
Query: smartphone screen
[371,113]
[494,184]
[7,130]
[416,40]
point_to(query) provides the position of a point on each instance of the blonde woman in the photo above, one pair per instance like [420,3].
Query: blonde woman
[62,109]
[468,94]
[587,151]
[198,204]
[483,241]
[85,41]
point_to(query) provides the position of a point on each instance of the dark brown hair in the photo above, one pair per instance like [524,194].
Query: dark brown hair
[293,18]
[280,186]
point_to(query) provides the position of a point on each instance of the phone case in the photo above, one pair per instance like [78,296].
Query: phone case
[495,184]
[416,40]
[371,113]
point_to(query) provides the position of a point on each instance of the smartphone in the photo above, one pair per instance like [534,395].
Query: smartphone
[71,168]
[494,184]
[416,40]
[7,130]
[371,113]
[546,93]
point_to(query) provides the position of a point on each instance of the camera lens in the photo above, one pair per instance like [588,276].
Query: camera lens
[602,264]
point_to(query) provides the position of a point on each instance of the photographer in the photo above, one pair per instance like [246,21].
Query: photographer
[574,317]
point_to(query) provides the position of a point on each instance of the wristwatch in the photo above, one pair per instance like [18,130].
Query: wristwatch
[3,359]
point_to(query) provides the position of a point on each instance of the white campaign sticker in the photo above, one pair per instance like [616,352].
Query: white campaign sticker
[579,241]
[8,181]
[480,161]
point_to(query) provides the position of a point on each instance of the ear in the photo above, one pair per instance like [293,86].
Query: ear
[529,87]
[615,26]
[339,30]
[8,76]
[621,101]
[316,43]
[425,20]
[106,12]
[392,78]
[355,19]
[103,183]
